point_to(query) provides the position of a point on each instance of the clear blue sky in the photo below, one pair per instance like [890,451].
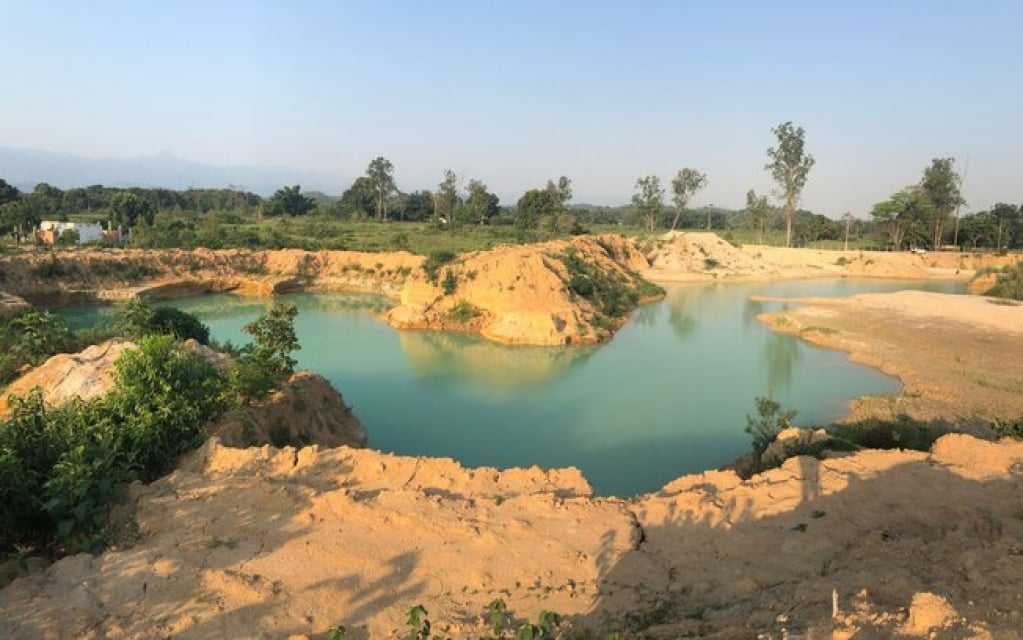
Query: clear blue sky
[518,91]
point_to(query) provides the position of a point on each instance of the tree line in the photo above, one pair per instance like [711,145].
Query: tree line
[924,214]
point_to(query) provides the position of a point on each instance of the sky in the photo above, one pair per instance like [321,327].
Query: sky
[514,92]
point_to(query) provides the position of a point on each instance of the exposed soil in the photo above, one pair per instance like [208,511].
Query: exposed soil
[960,358]
[266,542]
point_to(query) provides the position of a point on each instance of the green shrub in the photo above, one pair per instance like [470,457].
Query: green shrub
[770,421]
[902,433]
[710,263]
[1009,428]
[1009,284]
[436,260]
[463,312]
[30,338]
[139,319]
[60,468]
[450,283]
[606,291]
[267,362]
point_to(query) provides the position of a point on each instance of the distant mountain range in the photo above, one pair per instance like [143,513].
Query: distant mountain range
[25,168]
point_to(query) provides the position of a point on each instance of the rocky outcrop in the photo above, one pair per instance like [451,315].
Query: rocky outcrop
[88,374]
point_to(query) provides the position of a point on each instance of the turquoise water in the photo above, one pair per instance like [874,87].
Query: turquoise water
[667,396]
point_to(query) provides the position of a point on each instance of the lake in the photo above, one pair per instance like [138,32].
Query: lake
[668,395]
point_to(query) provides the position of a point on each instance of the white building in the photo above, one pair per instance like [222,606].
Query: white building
[51,231]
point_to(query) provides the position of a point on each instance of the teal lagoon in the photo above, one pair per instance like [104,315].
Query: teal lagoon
[668,395]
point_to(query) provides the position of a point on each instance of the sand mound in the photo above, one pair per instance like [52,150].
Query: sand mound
[520,294]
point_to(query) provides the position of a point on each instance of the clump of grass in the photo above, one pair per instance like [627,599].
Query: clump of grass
[436,260]
[901,433]
[463,312]
[710,263]
[1009,284]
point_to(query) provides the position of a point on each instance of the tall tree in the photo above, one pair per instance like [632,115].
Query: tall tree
[381,175]
[290,201]
[649,200]
[535,206]
[358,200]
[8,192]
[789,167]
[1007,217]
[446,198]
[941,187]
[904,213]
[561,190]
[684,186]
[128,209]
[759,211]
[481,203]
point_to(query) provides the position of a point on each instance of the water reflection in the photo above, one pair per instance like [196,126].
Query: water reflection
[216,307]
[781,355]
[447,358]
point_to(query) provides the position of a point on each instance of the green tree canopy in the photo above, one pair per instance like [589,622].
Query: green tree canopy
[789,167]
[940,187]
[649,200]
[446,200]
[482,204]
[358,200]
[684,186]
[904,214]
[381,176]
[290,201]
[129,209]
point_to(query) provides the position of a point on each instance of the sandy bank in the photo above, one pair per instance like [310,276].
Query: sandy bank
[959,357]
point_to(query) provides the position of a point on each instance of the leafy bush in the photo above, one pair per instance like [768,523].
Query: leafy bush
[606,292]
[264,364]
[61,467]
[770,421]
[450,283]
[902,433]
[1009,428]
[1009,284]
[30,338]
[140,319]
[436,260]
[463,312]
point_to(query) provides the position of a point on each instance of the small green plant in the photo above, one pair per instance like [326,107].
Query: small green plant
[1009,428]
[436,260]
[497,615]
[710,263]
[418,623]
[337,632]
[463,312]
[770,421]
[450,283]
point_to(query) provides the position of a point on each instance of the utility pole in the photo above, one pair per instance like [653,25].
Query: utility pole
[709,208]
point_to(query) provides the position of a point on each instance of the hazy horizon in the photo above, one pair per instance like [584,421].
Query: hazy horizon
[515,93]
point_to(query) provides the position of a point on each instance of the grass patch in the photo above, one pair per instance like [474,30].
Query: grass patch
[817,329]
[1009,284]
[463,312]
[901,433]
[436,260]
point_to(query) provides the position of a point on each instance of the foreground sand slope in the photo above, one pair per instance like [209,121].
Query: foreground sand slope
[959,357]
[271,542]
